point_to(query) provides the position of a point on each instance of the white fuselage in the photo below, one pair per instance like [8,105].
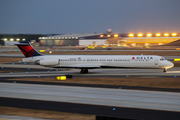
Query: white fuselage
[99,61]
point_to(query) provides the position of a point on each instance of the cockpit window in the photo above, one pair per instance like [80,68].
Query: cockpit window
[162,58]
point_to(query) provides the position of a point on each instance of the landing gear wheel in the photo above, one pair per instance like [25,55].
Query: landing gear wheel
[84,71]
[165,70]
[67,69]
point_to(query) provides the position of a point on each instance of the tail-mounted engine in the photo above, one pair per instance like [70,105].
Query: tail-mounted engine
[48,62]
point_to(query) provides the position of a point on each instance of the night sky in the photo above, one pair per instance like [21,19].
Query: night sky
[88,16]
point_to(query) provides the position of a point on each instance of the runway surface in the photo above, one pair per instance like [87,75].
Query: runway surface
[96,73]
[90,100]
[36,70]
[167,101]
[11,117]
[96,50]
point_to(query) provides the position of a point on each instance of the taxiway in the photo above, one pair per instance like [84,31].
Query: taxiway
[166,101]
[36,70]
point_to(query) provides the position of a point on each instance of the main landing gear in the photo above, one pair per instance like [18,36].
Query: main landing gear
[84,71]
[165,70]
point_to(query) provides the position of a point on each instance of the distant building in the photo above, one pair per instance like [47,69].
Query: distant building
[143,39]
[9,39]
[109,39]
[72,39]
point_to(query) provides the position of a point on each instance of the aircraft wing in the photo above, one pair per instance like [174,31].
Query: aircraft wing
[79,66]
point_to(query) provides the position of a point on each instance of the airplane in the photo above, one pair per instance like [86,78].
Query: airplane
[85,62]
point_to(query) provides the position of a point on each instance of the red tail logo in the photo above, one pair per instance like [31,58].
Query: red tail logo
[27,49]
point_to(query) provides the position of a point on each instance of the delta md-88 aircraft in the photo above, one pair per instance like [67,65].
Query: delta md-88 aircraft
[85,62]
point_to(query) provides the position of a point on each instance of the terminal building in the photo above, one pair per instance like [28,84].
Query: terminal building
[72,40]
[109,39]
[10,39]
[94,39]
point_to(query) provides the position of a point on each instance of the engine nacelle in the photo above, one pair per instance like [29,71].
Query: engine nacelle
[47,62]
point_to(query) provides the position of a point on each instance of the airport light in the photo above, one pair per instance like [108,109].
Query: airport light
[174,34]
[11,39]
[101,36]
[76,37]
[140,35]
[17,39]
[5,39]
[166,34]
[41,50]
[23,39]
[177,59]
[116,35]
[108,35]
[131,35]
[158,35]
[149,35]
[50,52]
[61,77]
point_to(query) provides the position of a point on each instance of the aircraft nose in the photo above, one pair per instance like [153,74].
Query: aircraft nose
[169,64]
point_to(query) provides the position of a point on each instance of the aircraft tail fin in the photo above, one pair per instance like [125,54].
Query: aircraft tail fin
[27,49]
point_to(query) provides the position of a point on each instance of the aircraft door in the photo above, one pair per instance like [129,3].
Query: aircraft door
[156,61]
[58,61]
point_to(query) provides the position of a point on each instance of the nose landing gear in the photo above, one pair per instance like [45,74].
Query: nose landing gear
[165,70]
[84,71]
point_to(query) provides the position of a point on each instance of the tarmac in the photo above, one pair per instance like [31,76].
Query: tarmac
[11,117]
[37,70]
[166,101]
